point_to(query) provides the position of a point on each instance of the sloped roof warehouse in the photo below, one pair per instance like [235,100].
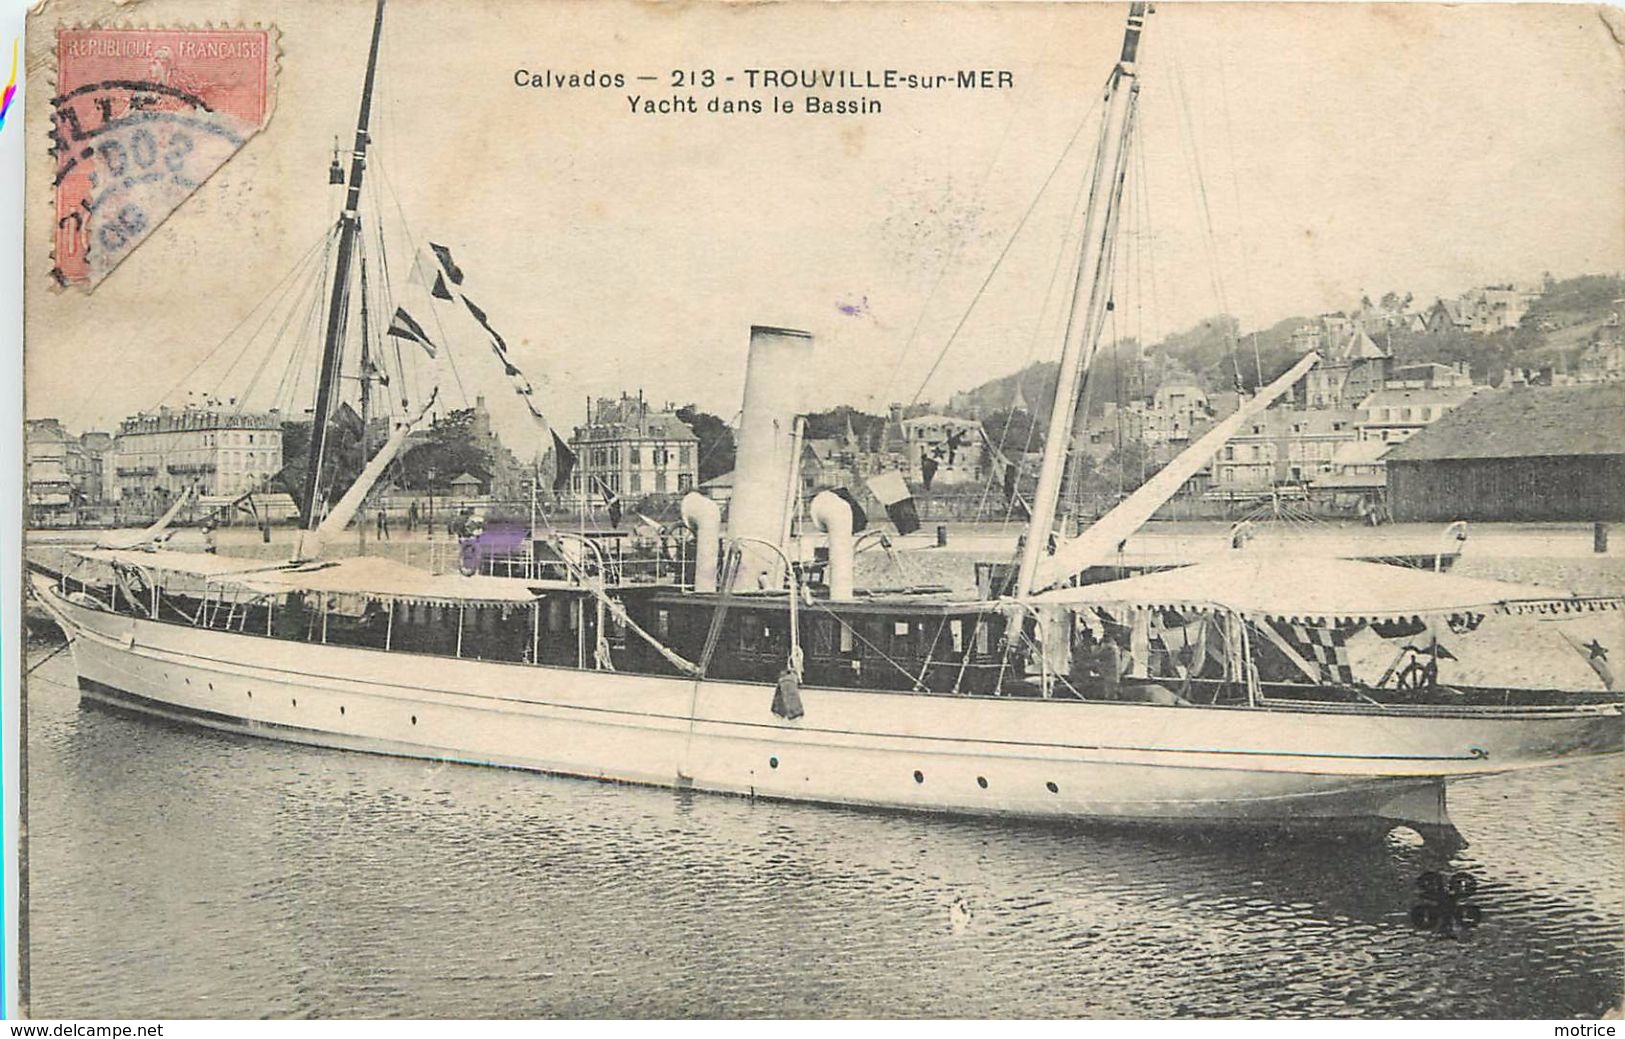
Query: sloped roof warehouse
[1525,453]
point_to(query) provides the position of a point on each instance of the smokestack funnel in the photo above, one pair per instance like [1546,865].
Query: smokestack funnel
[779,361]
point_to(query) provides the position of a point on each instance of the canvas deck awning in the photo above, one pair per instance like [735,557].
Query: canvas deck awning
[373,577]
[368,577]
[194,564]
[1323,590]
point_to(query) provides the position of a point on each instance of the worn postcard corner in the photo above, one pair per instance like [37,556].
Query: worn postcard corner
[140,117]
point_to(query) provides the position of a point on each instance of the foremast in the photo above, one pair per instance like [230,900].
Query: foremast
[338,311]
[1091,291]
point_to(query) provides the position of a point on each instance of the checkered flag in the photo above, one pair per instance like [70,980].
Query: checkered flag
[1327,648]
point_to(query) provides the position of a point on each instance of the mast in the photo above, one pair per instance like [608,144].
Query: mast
[1090,292]
[367,368]
[339,308]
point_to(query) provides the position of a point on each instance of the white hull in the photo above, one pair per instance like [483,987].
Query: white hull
[1039,758]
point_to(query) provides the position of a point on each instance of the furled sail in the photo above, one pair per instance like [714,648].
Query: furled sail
[150,533]
[1096,545]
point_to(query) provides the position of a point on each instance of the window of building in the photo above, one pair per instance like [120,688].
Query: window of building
[685,482]
[634,454]
[635,481]
[685,456]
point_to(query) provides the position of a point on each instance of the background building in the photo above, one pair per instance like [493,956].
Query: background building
[97,485]
[157,455]
[1527,453]
[1283,446]
[1348,373]
[1394,414]
[954,445]
[56,472]
[634,451]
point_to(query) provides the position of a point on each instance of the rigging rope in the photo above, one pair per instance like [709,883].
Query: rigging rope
[265,358]
[276,290]
[1004,252]
[1063,251]
[1209,242]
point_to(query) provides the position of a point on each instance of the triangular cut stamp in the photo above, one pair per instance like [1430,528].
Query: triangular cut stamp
[141,118]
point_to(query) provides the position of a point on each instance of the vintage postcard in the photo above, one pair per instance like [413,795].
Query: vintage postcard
[811,510]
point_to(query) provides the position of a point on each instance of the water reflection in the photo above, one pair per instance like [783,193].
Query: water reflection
[184,873]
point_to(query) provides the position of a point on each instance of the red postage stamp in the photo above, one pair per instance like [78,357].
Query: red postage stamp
[141,117]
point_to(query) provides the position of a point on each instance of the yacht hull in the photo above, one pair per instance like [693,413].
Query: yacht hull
[1051,759]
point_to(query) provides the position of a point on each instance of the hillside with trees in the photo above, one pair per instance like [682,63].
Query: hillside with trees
[1569,314]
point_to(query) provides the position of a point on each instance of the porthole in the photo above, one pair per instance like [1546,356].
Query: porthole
[341,708]
[295,700]
[1052,788]
[919,777]
[211,687]
[414,719]
[188,681]
[251,694]
[772,762]
[981,781]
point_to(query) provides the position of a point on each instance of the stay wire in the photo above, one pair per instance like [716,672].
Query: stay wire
[1009,243]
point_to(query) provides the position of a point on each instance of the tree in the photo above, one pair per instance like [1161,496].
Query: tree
[1128,466]
[447,450]
[716,441]
[834,423]
[1013,432]
[342,464]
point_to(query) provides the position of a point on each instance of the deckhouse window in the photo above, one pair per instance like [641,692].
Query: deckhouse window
[824,637]
[899,638]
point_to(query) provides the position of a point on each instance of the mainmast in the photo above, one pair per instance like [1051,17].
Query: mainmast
[338,310]
[1090,293]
